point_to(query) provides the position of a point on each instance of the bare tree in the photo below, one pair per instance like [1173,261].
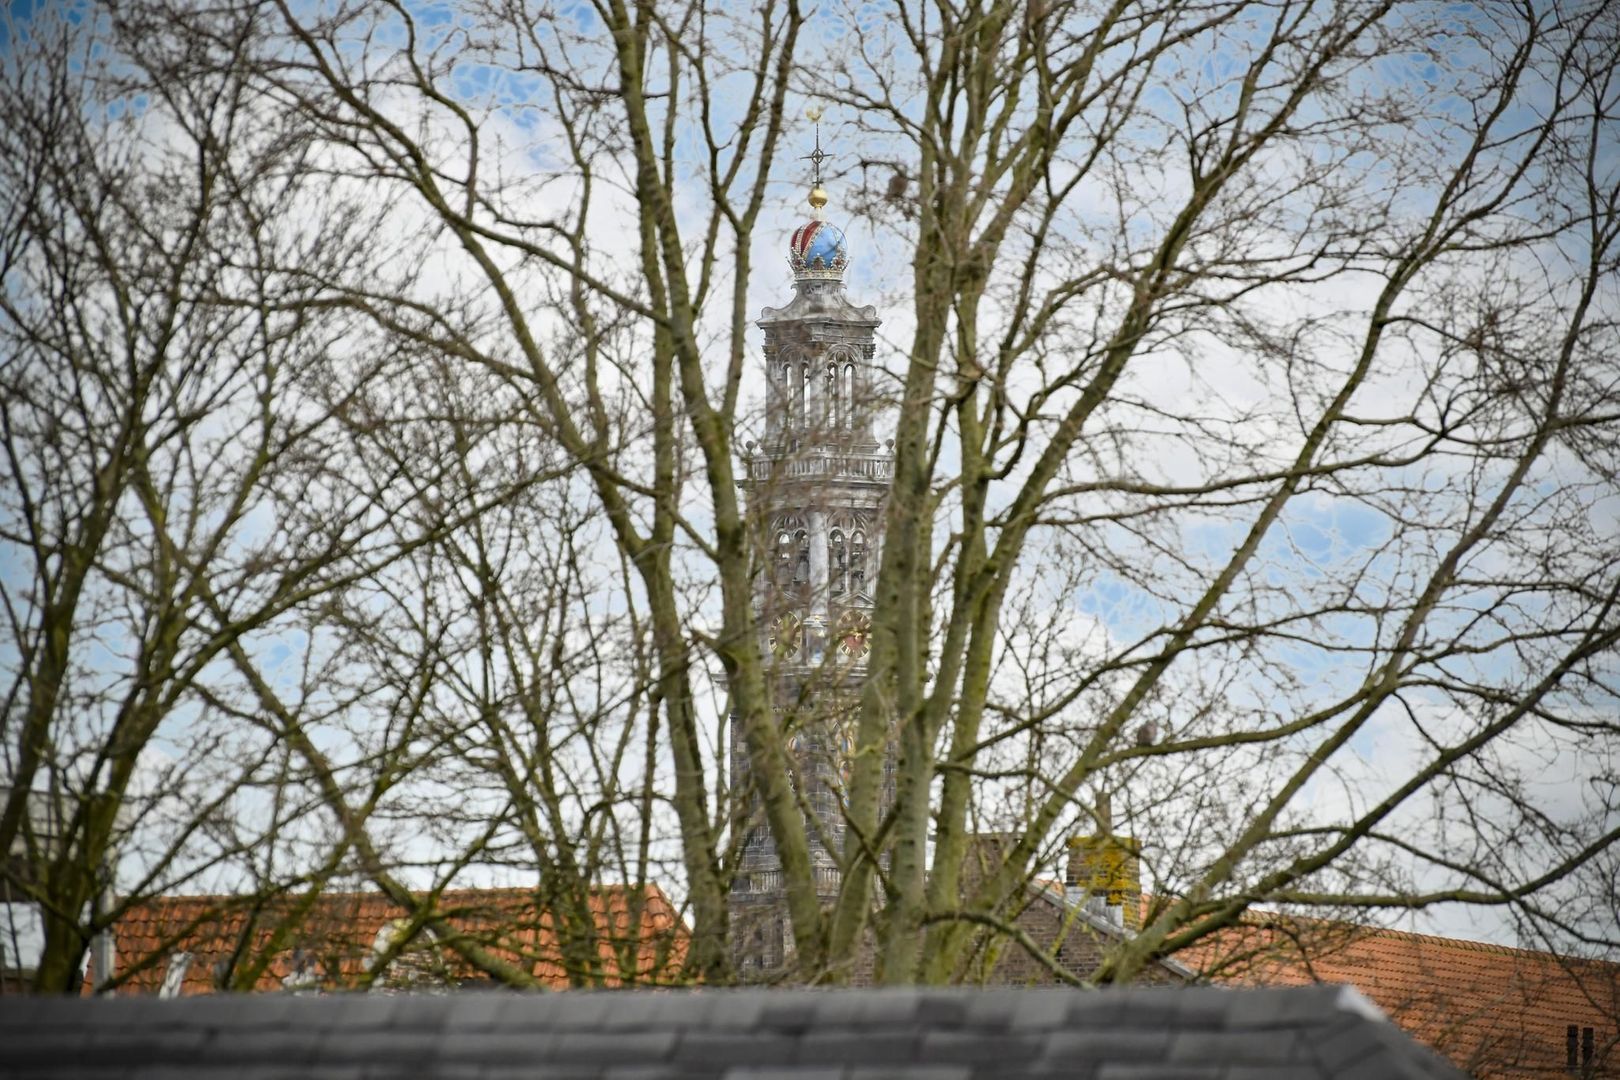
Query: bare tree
[1298,169]
[182,495]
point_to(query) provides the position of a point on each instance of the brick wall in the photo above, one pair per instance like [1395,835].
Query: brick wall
[1062,934]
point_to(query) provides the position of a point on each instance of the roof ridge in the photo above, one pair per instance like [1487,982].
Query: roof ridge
[1441,940]
[608,888]
[1470,945]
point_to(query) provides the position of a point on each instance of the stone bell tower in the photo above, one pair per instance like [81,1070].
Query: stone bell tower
[816,488]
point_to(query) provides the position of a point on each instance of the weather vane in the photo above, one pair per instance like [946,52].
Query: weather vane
[818,197]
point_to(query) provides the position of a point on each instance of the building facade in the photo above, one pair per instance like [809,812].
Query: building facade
[816,487]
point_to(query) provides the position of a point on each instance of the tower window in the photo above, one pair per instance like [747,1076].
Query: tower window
[784,558]
[835,398]
[802,384]
[839,561]
[849,395]
[857,561]
[801,568]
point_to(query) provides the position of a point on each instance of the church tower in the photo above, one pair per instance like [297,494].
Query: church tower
[816,487]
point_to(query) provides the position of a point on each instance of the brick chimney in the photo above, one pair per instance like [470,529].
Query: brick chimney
[1105,872]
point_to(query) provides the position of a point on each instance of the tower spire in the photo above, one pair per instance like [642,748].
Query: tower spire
[817,251]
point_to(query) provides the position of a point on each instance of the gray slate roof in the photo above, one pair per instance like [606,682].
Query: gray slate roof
[904,1034]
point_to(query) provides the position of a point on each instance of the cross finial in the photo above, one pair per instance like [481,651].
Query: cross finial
[816,156]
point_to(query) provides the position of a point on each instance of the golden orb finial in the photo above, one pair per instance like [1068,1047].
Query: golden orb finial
[818,197]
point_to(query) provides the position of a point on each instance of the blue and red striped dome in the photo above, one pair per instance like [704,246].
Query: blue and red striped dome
[818,250]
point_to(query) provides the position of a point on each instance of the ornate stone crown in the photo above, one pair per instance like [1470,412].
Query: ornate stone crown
[818,250]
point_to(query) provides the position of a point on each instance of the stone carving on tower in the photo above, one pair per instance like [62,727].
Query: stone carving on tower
[816,487]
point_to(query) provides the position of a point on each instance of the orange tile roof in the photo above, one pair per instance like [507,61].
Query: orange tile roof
[333,940]
[1494,1011]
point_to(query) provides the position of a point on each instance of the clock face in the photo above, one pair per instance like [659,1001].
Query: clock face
[784,638]
[854,634]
